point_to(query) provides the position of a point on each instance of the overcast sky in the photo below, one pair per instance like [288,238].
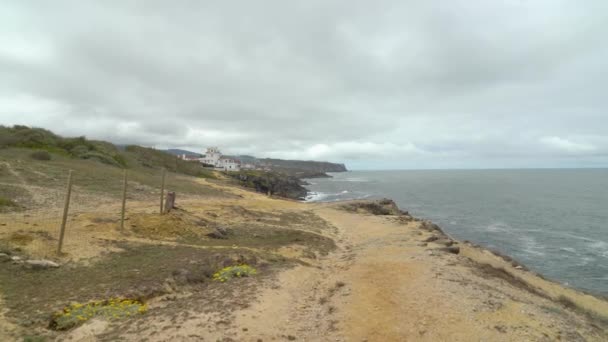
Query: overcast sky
[374,84]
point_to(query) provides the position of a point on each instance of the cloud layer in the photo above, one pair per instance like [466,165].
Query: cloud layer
[385,84]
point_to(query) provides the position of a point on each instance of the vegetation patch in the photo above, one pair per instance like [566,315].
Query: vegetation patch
[379,207]
[594,316]
[265,237]
[5,202]
[40,155]
[20,239]
[172,225]
[230,272]
[139,272]
[47,141]
[115,308]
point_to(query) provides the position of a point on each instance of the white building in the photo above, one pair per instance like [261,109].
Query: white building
[214,157]
[228,164]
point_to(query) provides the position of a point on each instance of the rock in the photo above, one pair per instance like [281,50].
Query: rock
[431,238]
[451,249]
[219,233]
[41,264]
[445,242]
[15,258]
[4,257]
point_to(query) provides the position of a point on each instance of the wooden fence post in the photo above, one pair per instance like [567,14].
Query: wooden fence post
[170,201]
[162,191]
[124,200]
[65,212]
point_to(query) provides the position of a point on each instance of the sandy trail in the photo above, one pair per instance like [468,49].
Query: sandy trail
[384,285]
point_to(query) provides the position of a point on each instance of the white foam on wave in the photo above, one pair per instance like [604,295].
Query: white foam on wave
[315,196]
[530,246]
[569,249]
[600,247]
[499,227]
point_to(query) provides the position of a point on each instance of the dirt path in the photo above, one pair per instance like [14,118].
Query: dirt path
[385,285]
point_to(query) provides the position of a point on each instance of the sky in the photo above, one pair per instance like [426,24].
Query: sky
[373,84]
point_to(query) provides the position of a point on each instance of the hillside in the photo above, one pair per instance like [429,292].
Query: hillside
[296,168]
[303,165]
[35,157]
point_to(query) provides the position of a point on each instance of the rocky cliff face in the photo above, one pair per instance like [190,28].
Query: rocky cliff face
[271,183]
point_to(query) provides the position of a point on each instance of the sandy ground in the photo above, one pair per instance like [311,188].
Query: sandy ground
[384,283]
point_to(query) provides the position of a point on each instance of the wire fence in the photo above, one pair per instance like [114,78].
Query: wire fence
[74,221]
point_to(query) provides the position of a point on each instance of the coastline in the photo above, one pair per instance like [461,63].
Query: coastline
[548,225]
[347,273]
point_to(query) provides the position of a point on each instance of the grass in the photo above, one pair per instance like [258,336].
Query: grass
[46,141]
[260,236]
[591,315]
[265,231]
[90,176]
[140,272]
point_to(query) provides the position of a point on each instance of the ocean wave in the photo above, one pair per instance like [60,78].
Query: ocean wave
[499,227]
[314,196]
[531,247]
[599,247]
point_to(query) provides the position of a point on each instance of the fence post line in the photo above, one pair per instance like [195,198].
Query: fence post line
[162,190]
[124,200]
[65,212]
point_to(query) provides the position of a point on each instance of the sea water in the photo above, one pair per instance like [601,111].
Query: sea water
[553,221]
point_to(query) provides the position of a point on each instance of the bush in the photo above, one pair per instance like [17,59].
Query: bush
[76,314]
[230,272]
[5,202]
[40,155]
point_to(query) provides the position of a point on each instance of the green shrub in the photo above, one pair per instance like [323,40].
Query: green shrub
[230,272]
[103,158]
[79,150]
[76,313]
[40,155]
[5,202]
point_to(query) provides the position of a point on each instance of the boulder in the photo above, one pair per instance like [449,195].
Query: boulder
[445,242]
[41,264]
[451,249]
[431,238]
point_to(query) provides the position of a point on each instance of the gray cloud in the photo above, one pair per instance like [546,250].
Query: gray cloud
[374,84]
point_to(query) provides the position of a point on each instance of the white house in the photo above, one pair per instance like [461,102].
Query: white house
[228,164]
[214,157]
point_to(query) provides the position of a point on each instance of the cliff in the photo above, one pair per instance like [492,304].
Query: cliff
[272,183]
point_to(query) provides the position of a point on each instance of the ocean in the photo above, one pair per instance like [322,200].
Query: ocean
[554,221]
